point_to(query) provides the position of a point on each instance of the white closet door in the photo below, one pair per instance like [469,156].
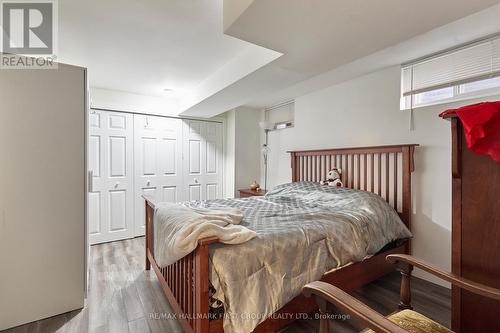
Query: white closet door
[158,162]
[202,160]
[111,162]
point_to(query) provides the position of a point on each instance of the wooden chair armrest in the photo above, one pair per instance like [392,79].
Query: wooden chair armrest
[454,279]
[344,301]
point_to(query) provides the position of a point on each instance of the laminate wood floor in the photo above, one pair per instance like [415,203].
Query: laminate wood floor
[124,298]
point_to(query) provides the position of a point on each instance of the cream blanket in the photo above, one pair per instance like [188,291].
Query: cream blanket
[177,229]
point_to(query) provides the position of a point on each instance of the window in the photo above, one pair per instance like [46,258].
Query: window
[468,72]
[281,115]
[433,96]
[480,85]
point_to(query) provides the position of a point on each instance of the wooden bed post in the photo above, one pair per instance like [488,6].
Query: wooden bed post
[408,168]
[294,162]
[149,232]
[201,285]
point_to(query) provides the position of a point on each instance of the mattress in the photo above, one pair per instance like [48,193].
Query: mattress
[304,230]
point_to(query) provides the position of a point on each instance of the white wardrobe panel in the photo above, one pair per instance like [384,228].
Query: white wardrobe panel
[95,120]
[212,191]
[118,156]
[111,200]
[158,161]
[42,192]
[170,193]
[117,121]
[202,160]
[117,210]
[194,156]
[168,159]
[148,156]
[212,156]
[162,168]
[95,154]
[194,192]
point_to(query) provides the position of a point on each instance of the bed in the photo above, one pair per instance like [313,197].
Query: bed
[382,172]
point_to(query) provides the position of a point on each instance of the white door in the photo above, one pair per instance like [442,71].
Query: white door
[158,162]
[202,160]
[111,192]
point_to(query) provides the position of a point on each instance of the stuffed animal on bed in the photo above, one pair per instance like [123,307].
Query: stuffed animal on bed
[333,178]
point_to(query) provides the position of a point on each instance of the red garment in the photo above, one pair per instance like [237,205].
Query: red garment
[481,124]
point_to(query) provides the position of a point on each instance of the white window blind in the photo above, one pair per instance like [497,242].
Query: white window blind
[476,62]
[281,115]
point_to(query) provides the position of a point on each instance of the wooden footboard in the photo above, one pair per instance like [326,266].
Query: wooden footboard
[185,283]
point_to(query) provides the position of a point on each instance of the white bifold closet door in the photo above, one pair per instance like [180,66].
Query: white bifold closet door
[111,192]
[158,162]
[202,160]
[168,159]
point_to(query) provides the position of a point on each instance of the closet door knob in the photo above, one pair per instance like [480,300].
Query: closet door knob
[148,183]
[196,180]
[116,184]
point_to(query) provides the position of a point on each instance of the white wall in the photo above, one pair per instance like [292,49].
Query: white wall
[365,111]
[129,102]
[229,154]
[247,147]
[242,149]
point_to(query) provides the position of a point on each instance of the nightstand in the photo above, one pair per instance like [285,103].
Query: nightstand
[245,193]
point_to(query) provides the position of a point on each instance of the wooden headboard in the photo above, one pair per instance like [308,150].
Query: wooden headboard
[384,170]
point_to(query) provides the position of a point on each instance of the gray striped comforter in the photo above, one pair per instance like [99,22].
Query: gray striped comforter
[303,230]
